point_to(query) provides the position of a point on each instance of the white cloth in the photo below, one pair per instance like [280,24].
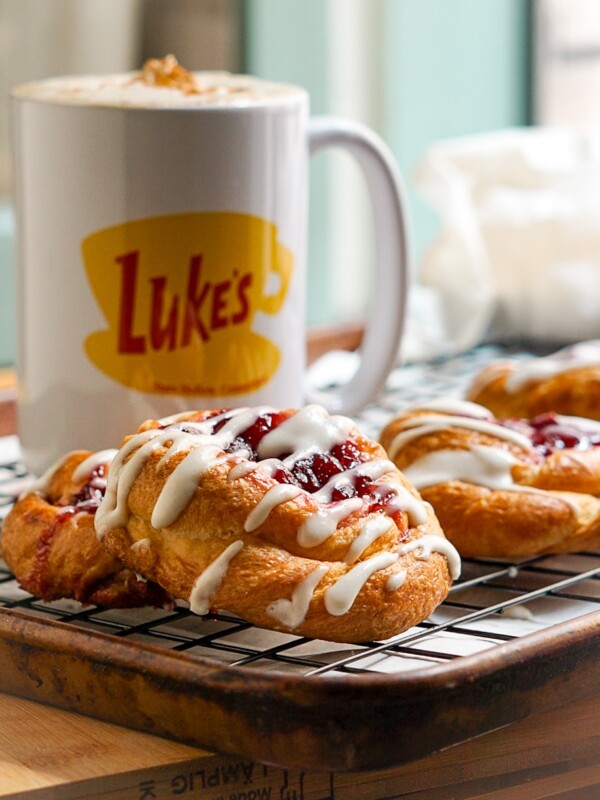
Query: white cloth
[517,255]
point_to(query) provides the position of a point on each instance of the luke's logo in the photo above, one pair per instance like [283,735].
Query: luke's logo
[180,294]
[207,307]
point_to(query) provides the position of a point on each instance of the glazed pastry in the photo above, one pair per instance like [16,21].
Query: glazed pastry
[567,382]
[49,542]
[290,519]
[502,488]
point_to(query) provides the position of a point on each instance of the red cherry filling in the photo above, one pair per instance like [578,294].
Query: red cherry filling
[548,433]
[252,436]
[90,495]
[312,472]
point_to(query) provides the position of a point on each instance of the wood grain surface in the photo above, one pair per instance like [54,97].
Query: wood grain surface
[50,754]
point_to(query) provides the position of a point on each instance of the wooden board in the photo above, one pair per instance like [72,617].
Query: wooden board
[50,754]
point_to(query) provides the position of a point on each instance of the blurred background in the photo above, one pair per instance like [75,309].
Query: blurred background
[417,71]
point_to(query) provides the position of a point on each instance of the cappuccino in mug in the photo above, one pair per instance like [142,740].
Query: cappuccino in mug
[162,236]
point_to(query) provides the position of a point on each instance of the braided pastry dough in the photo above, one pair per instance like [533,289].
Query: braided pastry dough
[290,519]
[567,382]
[502,488]
[49,542]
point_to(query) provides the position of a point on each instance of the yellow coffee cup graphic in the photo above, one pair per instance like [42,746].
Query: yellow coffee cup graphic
[180,293]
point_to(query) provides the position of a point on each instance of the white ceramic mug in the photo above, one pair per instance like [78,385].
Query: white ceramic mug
[161,240]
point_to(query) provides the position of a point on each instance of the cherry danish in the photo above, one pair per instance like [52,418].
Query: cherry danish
[566,382]
[49,541]
[290,519]
[502,487]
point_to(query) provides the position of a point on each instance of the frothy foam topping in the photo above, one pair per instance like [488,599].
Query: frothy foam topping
[186,90]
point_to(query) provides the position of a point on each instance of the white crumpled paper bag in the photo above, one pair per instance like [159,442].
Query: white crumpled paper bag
[518,251]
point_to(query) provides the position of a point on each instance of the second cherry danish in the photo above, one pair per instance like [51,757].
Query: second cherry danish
[566,382]
[502,488]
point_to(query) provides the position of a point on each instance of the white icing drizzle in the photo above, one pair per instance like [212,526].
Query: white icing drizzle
[112,512]
[88,465]
[368,469]
[483,466]
[310,430]
[269,465]
[141,544]
[241,419]
[371,529]
[280,493]
[341,596]
[81,471]
[293,612]
[583,424]
[518,612]
[182,483]
[210,580]
[322,524]
[242,469]
[431,543]
[317,528]
[490,467]
[584,354]
[396,581]
[405,501]
[425,424]
[451,405]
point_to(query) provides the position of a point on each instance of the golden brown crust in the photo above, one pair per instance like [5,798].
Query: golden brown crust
[494,524]
[561,513]
[271,563]
[576,392]
[54,552]
[262,574]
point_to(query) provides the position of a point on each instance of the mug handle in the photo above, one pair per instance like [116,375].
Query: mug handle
[385,324]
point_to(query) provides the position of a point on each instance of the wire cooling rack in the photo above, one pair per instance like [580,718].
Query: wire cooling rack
[494,601]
